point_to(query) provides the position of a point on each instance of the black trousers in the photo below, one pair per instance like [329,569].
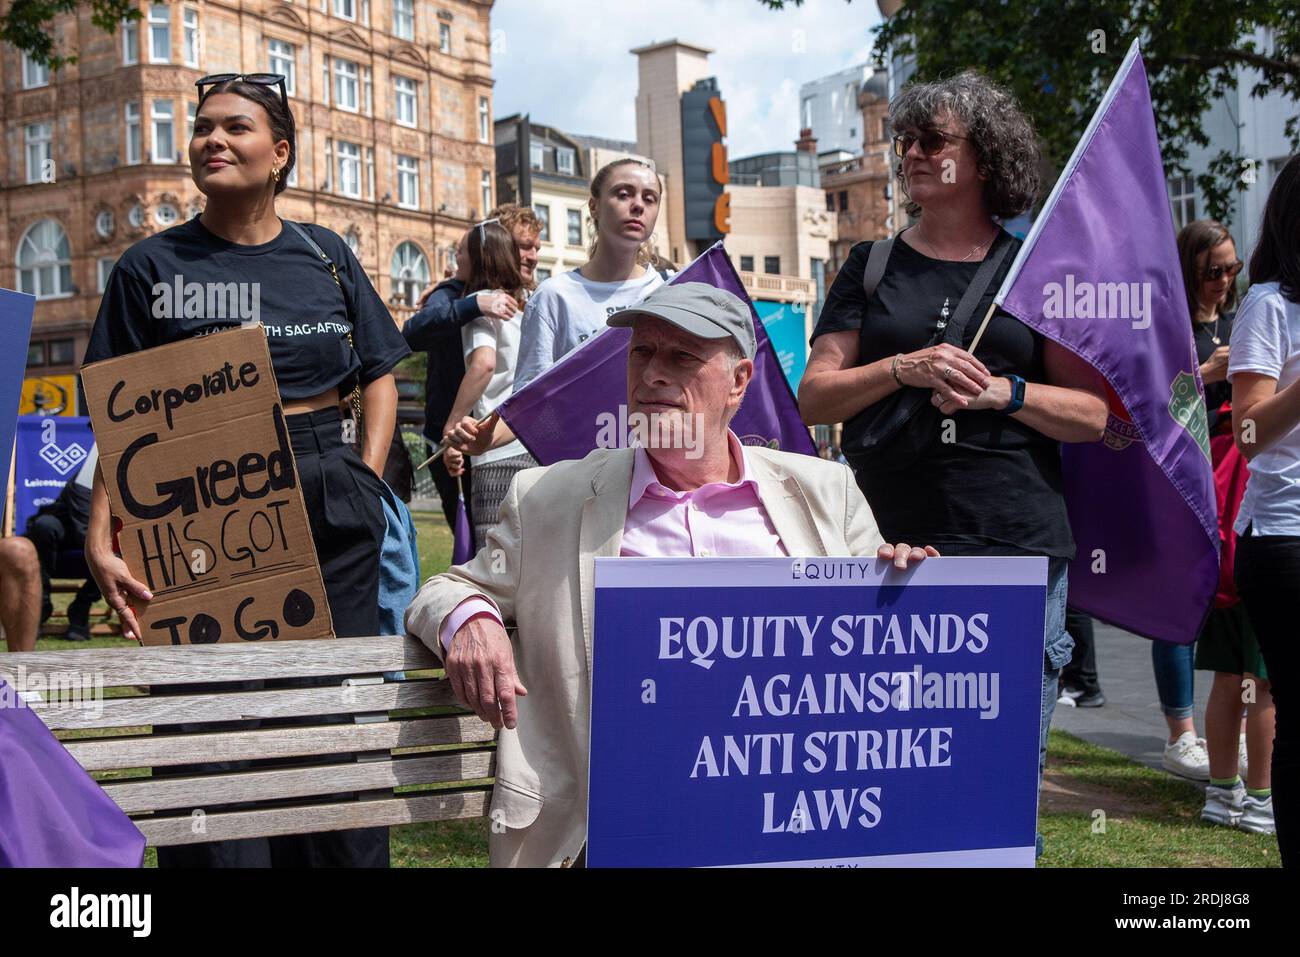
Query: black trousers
[1081,673]
[342,496]
[1268,580]
[51,535]
[448,490]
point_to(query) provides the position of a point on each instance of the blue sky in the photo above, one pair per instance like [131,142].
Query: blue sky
[567,62]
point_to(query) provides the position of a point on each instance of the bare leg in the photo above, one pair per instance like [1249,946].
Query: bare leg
[1260,719]
[1177,726]
[1223,725]
[20,592]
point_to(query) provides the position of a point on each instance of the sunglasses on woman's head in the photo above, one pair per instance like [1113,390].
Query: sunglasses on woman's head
[257,79]
[1213,273]
[932,141]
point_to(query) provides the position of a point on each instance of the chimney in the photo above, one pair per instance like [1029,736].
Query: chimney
[806,143]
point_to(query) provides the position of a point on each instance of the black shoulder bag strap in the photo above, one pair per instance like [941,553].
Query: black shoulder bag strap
[355,398]
[887,419]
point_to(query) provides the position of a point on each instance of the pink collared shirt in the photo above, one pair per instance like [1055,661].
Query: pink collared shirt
[724,519]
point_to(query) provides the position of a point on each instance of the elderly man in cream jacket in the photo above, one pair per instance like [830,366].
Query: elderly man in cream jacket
[689,488]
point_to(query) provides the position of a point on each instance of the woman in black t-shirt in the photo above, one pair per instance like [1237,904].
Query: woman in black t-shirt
[989,482]
[324,337]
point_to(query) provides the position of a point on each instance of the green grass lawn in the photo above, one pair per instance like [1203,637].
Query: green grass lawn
[1099,808]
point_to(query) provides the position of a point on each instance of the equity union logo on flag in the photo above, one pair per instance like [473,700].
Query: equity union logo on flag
[1187,406]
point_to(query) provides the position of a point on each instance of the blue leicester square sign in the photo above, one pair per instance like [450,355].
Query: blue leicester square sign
[815,712]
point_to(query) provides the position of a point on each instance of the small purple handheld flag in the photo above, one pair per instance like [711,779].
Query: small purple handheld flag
[562,413]
[1099,274]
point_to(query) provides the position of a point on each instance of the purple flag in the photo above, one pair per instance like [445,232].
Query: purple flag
[560,414]
[52,813]
[1099,274]
[462,536]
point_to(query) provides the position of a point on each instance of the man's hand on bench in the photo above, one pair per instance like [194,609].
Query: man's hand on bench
[481,667]
[115,581]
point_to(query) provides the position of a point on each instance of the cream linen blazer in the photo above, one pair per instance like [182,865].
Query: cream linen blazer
[538,567]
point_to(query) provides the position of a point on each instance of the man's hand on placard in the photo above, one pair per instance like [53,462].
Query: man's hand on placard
[902,553]
[481,667]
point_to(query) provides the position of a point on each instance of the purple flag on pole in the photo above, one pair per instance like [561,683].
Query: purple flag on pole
[52,813]
[561,414]
[1099,274]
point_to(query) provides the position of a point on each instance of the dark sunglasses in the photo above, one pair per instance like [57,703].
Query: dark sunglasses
[1212,273]
[257,79]
[932,141]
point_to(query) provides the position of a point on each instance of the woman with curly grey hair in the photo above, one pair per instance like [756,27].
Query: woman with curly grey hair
[953,449]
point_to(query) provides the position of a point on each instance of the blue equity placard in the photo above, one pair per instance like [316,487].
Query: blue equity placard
[50,452]
[16,310]
[818,711]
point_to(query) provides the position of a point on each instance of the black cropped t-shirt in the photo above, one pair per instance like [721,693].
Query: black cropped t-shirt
[187,281]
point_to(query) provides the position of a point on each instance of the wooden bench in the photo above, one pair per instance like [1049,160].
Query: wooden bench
[441,756]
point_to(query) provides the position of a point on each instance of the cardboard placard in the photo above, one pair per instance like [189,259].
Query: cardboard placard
[196,457]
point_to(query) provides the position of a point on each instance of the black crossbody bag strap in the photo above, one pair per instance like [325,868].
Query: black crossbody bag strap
[355,397]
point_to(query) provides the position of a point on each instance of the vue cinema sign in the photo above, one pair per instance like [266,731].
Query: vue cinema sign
[704,163]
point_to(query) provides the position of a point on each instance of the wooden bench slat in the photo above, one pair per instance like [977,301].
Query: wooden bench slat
[231,825]
[239,705]
[171,749]
[160,794]
[188,664]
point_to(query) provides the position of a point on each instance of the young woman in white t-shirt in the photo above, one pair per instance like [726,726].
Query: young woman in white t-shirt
[491,353]
[1264,369]
[571,307]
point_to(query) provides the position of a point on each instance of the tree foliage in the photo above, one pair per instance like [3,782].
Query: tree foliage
[28,25]
[1058,58]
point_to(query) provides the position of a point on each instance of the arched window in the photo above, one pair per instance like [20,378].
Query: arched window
[45,261]
[410,273]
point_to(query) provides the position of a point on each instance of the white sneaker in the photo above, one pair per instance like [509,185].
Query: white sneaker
[1067,700]
[1241,756]
[1187,757]
[1257,815]
[1223,805]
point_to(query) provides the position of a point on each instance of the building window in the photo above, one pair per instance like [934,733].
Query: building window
[574,227]
[541,275]
[45,261]
[830,202]
[329,162]
[190,35]
[136,216]
[34,74]
[191,112]
[347,9]
[405,90]
[103,269]
[325,77]
[544,217]
[746,263]
[408,182]
[404,19]
[844,200]
[884,127]
[130,42]
[1182,197]
[410,271]
[536,156]
[345,85]
[282,58]
[367,92]
[484,120]
[485,185]
[564,161]
[444,37]
[164,132]
[39,150]
[134,139]
[35,355]
[772,265]
[370,172]
[104,223]
[160,33]
[62,352]
[166,215]
[349,168]
[353,239]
